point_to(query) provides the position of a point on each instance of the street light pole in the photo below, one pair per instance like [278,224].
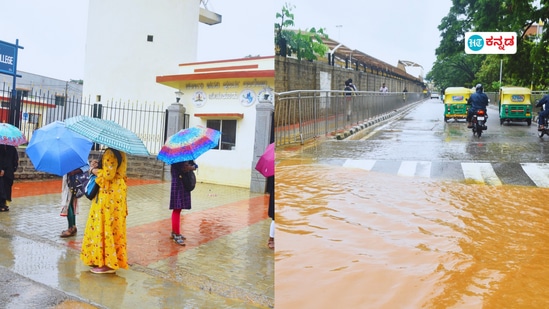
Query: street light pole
[339,32]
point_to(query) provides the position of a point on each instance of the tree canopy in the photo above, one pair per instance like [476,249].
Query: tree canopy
[528,67]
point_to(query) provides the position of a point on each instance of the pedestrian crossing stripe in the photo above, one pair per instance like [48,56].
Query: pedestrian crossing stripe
[480,172]
[538,172]
[363,164]
[415,168]
[534,173]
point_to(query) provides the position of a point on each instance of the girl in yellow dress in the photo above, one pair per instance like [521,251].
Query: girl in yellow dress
[104,242]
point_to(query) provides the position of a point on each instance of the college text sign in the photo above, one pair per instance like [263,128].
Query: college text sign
[7,58]
[490,42]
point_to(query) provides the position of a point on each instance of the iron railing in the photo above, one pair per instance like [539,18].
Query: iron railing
[31,111]
[306,114]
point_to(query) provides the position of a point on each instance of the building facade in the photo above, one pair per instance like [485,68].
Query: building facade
[131,42]
[223,95]
[41,100]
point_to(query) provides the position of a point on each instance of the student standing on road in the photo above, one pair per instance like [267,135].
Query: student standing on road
[180,196]
[9,161]
[69,202]
[104,243]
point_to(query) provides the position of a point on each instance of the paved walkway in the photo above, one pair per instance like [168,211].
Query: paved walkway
[225,264]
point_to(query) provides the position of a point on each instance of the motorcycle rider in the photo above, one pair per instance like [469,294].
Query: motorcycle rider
[544,104]
[478,101]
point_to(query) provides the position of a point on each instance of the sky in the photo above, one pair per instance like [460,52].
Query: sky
[389,30]
[53,32]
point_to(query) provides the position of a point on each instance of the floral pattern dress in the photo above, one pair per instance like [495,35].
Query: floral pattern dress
[104,242]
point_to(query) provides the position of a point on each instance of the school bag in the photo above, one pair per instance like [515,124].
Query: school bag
[189,180]
[77,183]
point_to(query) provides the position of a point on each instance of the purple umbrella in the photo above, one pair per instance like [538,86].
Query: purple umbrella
[188,144]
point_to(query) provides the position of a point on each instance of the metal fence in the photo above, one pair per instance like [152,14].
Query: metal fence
[31,111]
[305,114]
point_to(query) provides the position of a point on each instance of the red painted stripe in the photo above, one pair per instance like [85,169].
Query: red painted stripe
[32,188]
[150,243]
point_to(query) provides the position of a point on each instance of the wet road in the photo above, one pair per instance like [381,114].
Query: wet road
[418,214]
[420,143]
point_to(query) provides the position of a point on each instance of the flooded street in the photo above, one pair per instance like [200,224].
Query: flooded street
[352,238]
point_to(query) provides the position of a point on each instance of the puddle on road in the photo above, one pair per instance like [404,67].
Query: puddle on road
[349,238]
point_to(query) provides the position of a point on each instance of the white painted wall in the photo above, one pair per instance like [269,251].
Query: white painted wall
[227,167]
[120,63]
[230,167]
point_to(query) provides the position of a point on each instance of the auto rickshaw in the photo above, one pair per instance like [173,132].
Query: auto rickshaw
[455,103]
[515,105]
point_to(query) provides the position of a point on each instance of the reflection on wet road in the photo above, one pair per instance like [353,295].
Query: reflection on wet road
[353,238]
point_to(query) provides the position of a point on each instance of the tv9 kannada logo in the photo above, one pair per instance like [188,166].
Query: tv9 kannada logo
[490,43]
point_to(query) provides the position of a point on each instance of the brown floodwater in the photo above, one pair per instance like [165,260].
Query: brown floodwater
[350,238]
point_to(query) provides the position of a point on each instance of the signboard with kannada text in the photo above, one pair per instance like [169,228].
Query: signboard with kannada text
[490,42]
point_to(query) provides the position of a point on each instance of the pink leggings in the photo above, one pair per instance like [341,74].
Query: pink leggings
[176,221]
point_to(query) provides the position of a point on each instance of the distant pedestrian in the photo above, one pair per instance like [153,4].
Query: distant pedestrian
[349,89]
[9,162]
[383,89]
[180,196]
[352,85]
[69,202]
[104,246]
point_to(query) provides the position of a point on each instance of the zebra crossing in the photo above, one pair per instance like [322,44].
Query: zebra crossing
[494,174]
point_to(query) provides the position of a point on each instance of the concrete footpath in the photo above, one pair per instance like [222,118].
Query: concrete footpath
[225,264]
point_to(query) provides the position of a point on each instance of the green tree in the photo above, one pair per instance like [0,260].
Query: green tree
[306,44]
[527,66]
[455,71]
[282,34]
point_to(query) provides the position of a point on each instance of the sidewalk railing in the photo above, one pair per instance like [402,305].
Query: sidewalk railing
[305,114]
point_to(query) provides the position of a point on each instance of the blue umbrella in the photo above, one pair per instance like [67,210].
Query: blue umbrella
[57,150]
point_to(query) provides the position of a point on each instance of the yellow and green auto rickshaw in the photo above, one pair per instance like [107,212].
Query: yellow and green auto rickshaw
[455,103]
[515,105]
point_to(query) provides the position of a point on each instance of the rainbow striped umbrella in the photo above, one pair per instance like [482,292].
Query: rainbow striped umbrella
[11,135]
[188,144]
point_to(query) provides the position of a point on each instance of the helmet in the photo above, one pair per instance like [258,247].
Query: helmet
[479,87]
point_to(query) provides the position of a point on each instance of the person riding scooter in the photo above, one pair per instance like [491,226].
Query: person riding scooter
[478,101]
[544,104]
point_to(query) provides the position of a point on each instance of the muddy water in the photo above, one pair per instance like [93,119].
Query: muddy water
[350,238]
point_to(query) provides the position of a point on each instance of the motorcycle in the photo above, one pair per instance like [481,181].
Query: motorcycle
[479,122]
[545,131]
